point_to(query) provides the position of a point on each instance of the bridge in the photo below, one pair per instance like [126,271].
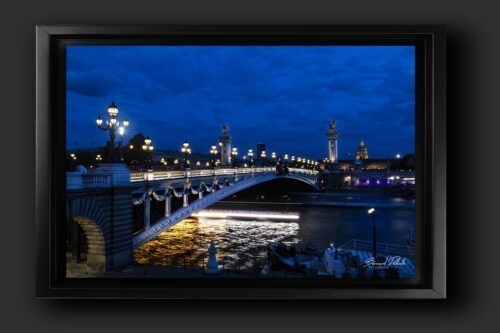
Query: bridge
[101,202]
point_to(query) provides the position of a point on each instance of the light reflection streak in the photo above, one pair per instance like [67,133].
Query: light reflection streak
[248,214]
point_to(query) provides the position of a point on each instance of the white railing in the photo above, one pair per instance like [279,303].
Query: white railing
[180,174]
[382,248]
[77,180]
[95,179]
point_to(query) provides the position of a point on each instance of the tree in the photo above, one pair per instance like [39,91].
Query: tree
[409,162]
[134,155]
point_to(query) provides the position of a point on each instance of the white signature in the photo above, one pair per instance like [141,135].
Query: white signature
[387,262]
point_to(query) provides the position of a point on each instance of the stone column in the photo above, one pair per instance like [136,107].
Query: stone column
[147,209]
[225,149]
[332,136]
[168,205]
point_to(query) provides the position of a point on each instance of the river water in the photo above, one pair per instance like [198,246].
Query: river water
[242,242]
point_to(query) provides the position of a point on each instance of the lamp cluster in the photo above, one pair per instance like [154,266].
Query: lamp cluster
[113,127]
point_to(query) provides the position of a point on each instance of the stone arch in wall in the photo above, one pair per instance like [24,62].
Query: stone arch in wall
[96,244]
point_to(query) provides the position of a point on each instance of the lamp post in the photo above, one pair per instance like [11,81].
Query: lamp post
[186,151]
[213,152]
[250,155]
[234,153]
[113,127]
[164,162]
[148,148]
[373,214]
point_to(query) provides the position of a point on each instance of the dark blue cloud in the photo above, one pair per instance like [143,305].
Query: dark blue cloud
[282,96]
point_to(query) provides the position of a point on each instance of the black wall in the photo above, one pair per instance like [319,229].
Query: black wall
[473,147]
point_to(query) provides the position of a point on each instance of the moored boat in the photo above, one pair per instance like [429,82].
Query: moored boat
[288,258]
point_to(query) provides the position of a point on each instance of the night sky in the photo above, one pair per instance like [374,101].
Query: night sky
[282,96]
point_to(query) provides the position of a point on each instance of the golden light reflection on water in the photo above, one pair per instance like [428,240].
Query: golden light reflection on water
[242,244]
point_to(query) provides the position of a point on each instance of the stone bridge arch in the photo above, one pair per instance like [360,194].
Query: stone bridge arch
[96,244]
[106,219]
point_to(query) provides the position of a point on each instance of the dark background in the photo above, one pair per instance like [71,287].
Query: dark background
[473,149]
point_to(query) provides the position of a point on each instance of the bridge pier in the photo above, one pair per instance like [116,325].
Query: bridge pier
[168,205]
[147,209]
[185,201]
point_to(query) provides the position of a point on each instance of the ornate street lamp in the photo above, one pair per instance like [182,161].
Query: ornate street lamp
[113,127]
[373,214]
[148,148]
[186,151]
[234,153]
[213,152]
[164,162]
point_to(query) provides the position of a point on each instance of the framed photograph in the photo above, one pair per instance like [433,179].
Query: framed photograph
[241,162]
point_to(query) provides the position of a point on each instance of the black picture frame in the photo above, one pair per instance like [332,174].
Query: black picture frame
[430,158]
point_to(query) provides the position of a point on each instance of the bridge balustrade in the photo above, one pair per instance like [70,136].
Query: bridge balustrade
[96,179]
[180,174]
